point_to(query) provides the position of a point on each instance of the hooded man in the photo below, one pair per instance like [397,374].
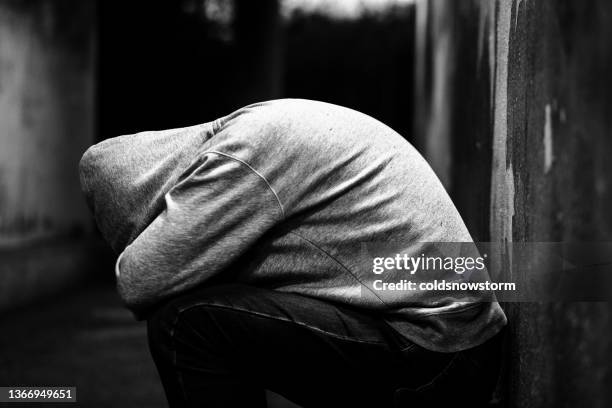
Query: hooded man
[248,244]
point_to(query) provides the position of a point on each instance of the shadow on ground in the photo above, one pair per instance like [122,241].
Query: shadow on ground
[87,340]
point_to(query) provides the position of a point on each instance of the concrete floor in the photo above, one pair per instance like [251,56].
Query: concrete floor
[85,340]
[88,340]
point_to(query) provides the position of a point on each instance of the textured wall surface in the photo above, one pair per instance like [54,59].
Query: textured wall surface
[46,122]
[524,86]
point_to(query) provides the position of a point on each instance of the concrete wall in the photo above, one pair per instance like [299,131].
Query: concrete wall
[46,122]
[523,89]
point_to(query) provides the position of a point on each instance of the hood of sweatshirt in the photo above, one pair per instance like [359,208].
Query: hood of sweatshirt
[125,178]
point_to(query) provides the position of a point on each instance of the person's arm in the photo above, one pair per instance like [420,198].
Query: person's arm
[211,217]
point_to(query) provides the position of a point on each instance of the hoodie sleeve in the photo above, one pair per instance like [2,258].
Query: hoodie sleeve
[217,211]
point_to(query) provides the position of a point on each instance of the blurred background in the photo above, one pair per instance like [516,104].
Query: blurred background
[509,100]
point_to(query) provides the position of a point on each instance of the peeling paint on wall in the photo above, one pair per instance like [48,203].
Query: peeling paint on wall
[548,139]
[502,180]
[486,36]
[517,9]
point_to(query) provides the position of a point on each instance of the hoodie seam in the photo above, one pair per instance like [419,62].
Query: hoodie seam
[342,265]
[261,176]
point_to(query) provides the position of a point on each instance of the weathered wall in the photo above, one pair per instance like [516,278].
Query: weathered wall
[523,86]
[46,122]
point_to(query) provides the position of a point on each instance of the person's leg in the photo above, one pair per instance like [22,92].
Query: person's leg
[469,380]
[222,346]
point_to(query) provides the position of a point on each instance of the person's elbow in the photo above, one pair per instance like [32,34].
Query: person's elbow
[138,295]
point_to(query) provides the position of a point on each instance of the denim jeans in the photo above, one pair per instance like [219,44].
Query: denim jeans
[222,346]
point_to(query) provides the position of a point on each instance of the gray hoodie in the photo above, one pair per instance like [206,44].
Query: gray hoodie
[292,195]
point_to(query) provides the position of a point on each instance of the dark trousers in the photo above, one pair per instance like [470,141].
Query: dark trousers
[222,346]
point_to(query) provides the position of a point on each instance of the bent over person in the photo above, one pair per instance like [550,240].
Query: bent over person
[247,243]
